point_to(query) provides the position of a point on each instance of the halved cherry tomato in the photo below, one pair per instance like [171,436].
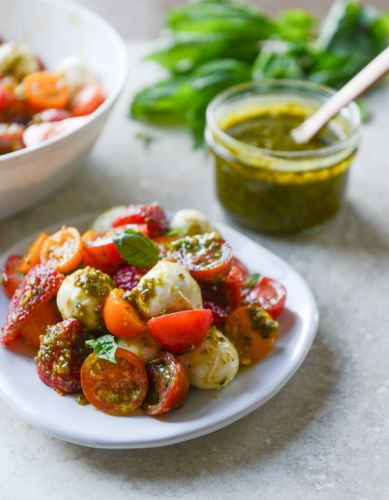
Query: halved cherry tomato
[87,99]
[268,294]
[63,250]
[47,314]
[206,256]
[242,267]
[45,90]
[120,317]
[33,255]
[152,215]
[169,384]
[179,331]
[11,137]
[99,250]
[115,388]
[10,276]
[252,331]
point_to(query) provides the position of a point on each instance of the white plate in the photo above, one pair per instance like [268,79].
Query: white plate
[204,411]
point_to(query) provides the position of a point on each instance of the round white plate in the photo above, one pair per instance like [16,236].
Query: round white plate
[204,411]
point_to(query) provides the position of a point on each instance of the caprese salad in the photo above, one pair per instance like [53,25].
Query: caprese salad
[37,104]
[137,309]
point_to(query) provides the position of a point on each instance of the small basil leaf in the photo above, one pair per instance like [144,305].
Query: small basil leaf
[176,232]
[253,279]
[137,249]
[104,347]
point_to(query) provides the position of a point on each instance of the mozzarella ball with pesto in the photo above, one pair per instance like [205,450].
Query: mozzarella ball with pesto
[82,296]
[17,59]
[104,221]
[143,346]
[213,364]
[166,288]
[191,222]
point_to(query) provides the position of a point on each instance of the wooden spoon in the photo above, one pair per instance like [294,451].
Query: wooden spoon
[369,75]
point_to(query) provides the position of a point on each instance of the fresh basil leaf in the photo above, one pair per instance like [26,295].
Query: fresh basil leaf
[176,232]
[253,279]
[137,249]
[104,347]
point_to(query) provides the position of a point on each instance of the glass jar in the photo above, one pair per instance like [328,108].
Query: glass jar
[274,190]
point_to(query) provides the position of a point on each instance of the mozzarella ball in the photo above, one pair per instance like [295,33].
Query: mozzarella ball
[167,287]
[76,72]
[82,296]
[143,346]
[191,222]
[104,221]
[213,364]
[16,59]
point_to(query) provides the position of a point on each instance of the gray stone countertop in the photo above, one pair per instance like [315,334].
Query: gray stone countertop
[326,434]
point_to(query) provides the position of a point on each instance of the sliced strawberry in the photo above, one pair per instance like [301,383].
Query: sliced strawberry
[219,313]
[152,215]
[10,277]
[37,287]
[128,277]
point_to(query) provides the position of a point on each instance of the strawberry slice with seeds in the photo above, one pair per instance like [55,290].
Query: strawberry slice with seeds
[152,215]
[37,287]
[128,277]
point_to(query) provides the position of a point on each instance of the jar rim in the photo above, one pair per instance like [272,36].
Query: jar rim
[349,142]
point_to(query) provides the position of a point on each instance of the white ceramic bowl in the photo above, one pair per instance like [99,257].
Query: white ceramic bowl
[55,29]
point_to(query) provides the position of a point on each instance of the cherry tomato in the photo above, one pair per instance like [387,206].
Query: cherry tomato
[169,384]
[87,99]
[206,256]
[120,317]
[10,275]
[6,98]
[38,286]
[61,354]
[179,331]
[47,314]
[268,294]
[63,250]
[115,388]
[45,90]
[11,137]
[252,331]
[33,255]
[242,268]
[152,215]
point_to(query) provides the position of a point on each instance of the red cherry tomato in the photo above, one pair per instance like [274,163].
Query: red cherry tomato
[242,267]
[269,294]
[206,256]
[11,137]
[10,276]
[177,332]
[152,215]
[169,384]
[115,388]
[87,99]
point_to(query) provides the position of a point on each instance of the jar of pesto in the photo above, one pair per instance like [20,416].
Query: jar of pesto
[265,180]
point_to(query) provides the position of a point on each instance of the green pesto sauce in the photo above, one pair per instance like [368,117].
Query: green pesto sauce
[276,201]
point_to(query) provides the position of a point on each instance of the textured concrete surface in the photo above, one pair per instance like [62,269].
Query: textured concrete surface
[326,435]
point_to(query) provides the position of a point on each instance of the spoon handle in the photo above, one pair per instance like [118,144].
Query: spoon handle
[369,75]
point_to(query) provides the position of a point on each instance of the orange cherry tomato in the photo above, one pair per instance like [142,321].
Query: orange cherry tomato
[120,317]
[63,250]
[45,90]
[252,331]
[33,255]
[115,388]
[87,99]
[47,314]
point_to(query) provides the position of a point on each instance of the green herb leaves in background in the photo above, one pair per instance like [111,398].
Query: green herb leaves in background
[137,249]
[218,43]
[104,347]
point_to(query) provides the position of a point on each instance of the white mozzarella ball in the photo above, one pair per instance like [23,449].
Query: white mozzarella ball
[82,295]
[76,72]
[16,59]
[143,346]
[104,221]
[191,222]
[214,363]
[167,287]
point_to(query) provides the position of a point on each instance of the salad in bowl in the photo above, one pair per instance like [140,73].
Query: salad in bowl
[136,310]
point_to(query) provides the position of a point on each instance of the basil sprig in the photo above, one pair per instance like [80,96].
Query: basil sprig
[253,279]
[104,347]
[137,249]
